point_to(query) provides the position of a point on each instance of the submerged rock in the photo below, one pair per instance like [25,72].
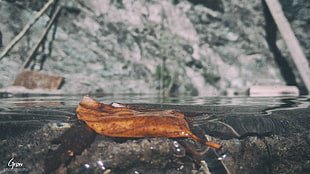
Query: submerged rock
[254,139]
[106,154]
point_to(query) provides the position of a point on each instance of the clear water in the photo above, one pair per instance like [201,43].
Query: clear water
[21,114]
[73,100]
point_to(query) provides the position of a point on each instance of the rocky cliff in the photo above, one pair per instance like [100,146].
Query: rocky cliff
[174,47]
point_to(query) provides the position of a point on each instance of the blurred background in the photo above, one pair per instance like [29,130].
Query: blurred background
[166,47]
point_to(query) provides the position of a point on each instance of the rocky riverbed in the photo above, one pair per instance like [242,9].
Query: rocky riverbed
[269,138]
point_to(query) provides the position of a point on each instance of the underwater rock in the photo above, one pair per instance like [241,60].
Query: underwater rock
[256,139]
[270,154]
[106,153]
[72,143]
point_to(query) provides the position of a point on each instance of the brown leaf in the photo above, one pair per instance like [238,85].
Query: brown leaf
[121,120]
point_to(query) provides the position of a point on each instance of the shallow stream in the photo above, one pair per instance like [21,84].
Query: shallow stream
[258,135]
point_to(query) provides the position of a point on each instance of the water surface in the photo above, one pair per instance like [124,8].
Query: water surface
[29,122]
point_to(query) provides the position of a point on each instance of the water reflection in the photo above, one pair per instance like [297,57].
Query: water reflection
[73,100]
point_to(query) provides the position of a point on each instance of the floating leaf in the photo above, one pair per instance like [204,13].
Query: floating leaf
[121,120]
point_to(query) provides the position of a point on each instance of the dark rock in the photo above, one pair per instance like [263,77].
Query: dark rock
[70,146]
